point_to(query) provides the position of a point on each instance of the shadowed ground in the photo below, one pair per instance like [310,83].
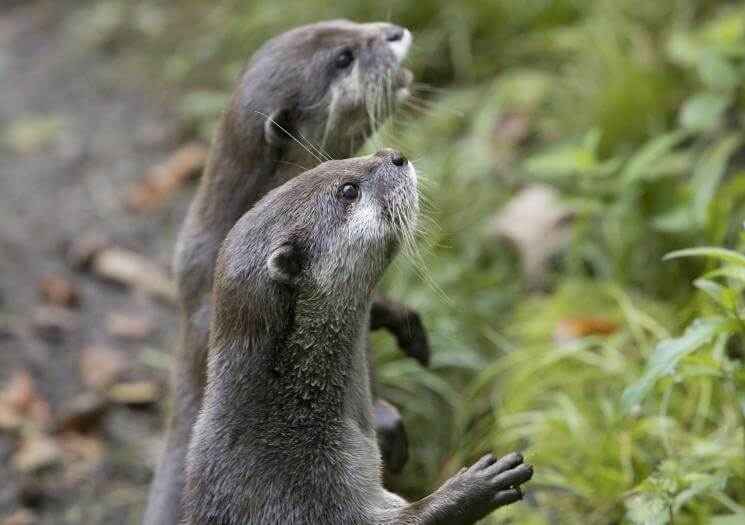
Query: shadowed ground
[76,131]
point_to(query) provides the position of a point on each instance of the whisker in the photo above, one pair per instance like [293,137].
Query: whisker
[292,164]
[270,119]
[438,105]
[424,110]
[317,149]
[423,86]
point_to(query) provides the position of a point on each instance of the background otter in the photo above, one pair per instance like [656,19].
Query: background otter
[286,433]
[332,82]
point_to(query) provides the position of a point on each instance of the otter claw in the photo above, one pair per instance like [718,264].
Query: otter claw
[513,477]
[488,484]
[485,461]
[507,462]
[505,497]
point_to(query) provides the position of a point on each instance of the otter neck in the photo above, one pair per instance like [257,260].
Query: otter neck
[310,380]
[240,169]
[303,423]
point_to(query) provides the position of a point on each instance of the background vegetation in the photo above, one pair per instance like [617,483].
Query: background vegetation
[632,111]
[617,370]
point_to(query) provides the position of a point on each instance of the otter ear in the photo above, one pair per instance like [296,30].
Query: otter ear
[283,265]
[279,128]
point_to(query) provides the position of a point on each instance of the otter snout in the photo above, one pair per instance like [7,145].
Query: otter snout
[398,39]
[396,192]
[399,160]
[395,157]
[396,164]
[394,33]
[396,183]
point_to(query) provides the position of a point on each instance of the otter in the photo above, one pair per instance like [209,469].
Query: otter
[286,435]
[328,84]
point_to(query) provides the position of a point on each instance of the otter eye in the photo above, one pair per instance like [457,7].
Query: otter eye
[349,192]
[344,59]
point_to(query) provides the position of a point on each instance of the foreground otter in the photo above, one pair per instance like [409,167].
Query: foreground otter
[331,82]
[286,435]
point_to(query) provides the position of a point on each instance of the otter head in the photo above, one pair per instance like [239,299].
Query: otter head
[330,84]
[353,216]
[320,243]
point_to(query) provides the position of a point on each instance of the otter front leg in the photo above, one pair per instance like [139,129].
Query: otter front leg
[392,440]
[404,324]
[468,496]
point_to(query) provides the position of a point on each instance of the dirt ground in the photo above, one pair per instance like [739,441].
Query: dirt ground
[78,442]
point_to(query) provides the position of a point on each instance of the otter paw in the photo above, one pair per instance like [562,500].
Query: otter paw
[488,484]
[412,337]
[394,445]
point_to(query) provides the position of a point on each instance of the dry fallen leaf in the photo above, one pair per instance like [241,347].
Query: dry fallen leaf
[83,249]
[82,414]
[507,135]
[52,322]
[36,451]
[21,517]
[538,224]
[166,177]
[20,403]
[573,328]
[58,290]
[129,326]
[78,447]
[512,128]
[101,366]
[134,270]
[134,393]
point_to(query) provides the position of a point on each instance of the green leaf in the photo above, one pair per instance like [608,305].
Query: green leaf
[732,272]
[731,519]
[723,254]
[708,173]
[591,141]
[667,355]
[568,161]
[718,72]
[684,49]
[699,484]
[703,111]
[730,298]
[573,160]
[647,508]
[645,160]
[714,290]
[677,220]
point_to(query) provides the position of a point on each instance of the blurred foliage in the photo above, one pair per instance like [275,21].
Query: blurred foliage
[632,110]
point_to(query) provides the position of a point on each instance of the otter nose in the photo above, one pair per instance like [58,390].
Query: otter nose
[394,33]
[395,156]
[398,160]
